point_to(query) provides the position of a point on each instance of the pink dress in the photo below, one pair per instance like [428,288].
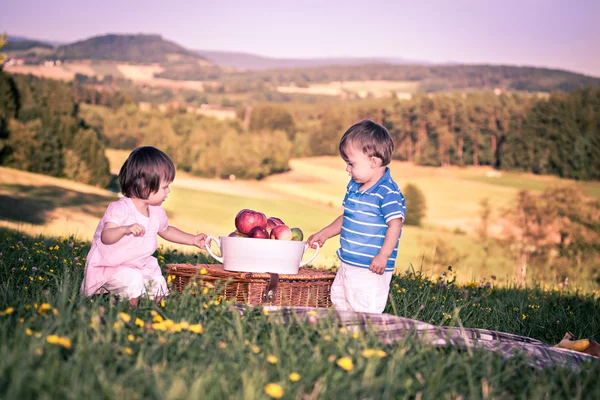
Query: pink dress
[130,253]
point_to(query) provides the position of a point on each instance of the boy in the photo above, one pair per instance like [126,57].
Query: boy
[371,225]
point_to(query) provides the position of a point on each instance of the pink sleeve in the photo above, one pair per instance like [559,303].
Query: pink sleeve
[116,213]
[163,221]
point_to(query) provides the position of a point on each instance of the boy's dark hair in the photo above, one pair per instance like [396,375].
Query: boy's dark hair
[143,170]
[372,138]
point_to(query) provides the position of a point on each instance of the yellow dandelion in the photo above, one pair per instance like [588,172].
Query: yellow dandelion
[29,332]
[312,313]
[345,363]
[162,303]
[8,311]
[196,328]
[294,376]
[130,337]
[255,349]
[367,353]
[139,322]
[523,317]
[355,335]
[265,311]
[59,340]
[157,318]
[203,271]
[159,326]
[380,353]
[274,390]
[271,359]
[127,350]
[124,317]
[205,290]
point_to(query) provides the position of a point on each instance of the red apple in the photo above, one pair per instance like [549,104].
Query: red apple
[247,219]
[281,232]
[258,232]
[236,234]
[272,222]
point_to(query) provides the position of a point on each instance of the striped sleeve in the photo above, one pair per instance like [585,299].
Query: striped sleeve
[393,205]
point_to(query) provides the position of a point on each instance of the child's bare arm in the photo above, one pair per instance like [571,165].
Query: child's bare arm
[176,235]
[112,232]
[329,231]
[392,234]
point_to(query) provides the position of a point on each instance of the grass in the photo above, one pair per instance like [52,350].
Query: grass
[57,344]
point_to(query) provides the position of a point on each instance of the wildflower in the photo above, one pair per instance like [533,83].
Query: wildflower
[222,345]
[345,363]
[271,359]
[265,311]
[130,337]
[59,340]
[29,332]
[203,271]
[380,353]
[8,311]
[43,308]
[294,377]
[523,317]
[139,322]
[124,317]
[127,350]
[255,349]
[367,353]
[196,328]
[274,390]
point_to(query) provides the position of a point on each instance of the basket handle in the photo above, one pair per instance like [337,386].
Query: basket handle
[208,240]
[302,264]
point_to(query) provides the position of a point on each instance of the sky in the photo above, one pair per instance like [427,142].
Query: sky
[544,33]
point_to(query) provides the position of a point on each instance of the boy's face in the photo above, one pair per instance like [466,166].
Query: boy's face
[158,197]
[362,168]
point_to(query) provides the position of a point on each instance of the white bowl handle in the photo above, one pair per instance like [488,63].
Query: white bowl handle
[302,264]
[208,239]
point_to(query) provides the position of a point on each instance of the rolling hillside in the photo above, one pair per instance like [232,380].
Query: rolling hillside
[181,64]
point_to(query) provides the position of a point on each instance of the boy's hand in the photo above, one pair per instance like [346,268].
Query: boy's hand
[378,264]
[316,238]
[200,240]
[135,230]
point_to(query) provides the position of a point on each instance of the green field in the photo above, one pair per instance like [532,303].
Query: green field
[309,197]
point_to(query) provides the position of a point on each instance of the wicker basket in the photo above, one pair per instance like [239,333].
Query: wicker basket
[309,288]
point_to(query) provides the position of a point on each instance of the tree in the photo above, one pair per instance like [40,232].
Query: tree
[415,205]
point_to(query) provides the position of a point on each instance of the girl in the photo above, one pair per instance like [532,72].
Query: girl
[120,260]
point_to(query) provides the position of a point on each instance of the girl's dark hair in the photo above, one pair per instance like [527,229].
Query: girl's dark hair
[143,171]
[373,139]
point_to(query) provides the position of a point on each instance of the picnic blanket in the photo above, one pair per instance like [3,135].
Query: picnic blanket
[390,328]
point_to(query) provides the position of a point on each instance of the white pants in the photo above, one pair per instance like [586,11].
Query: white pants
[132,283]
[358,289]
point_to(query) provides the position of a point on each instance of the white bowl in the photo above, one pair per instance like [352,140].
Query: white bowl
[260,255]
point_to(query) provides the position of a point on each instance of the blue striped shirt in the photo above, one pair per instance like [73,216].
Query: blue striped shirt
[366,214]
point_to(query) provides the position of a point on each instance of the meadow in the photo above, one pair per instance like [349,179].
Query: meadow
[308,196]
[58,344]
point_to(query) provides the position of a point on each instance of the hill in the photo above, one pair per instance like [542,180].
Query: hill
[143,49]
[253,62]
[19,43]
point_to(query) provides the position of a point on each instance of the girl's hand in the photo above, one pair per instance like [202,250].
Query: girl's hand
[316,238]
[200,240]
[135,230]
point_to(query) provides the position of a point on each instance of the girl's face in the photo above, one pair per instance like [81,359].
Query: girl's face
[362,168]
[157,198]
